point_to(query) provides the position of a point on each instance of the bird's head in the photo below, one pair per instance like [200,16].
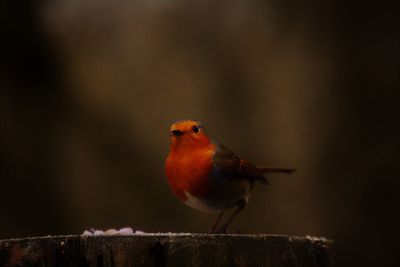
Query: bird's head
[188,134]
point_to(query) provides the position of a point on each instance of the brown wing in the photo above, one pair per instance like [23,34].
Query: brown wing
[235,167]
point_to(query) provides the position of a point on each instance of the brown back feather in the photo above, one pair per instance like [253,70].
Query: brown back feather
[235,167]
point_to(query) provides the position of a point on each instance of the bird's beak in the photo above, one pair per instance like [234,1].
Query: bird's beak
[177,133]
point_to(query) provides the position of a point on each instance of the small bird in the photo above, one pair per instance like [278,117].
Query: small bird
[207,175]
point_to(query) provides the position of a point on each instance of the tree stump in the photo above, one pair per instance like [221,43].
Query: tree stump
[167,250]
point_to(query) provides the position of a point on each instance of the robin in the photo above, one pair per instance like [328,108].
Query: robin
[207,175]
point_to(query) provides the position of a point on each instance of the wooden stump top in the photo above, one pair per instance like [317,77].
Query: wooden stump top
[167,249]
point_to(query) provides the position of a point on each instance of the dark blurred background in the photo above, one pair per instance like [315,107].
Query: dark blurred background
[89,89]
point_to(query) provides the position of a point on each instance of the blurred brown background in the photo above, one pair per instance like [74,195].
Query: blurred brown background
[89,89]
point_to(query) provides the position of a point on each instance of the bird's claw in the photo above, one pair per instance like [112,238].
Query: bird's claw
[221,230]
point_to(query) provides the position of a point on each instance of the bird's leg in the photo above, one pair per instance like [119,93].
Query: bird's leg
[241,205]
[217,222]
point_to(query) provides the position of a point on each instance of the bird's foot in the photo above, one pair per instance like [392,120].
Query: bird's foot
[221,230]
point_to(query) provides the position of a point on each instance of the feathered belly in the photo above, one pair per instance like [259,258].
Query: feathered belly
[219,200]
[188,178]
[223,194]
[202,186]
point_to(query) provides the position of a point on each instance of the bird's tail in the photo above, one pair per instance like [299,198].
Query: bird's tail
[267,170]
[261,179]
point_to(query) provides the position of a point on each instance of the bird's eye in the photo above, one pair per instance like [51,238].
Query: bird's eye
[196,129]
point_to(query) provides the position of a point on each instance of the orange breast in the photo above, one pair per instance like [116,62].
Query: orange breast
[190,172]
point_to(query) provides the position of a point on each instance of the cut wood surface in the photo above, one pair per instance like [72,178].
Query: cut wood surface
[167,249]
